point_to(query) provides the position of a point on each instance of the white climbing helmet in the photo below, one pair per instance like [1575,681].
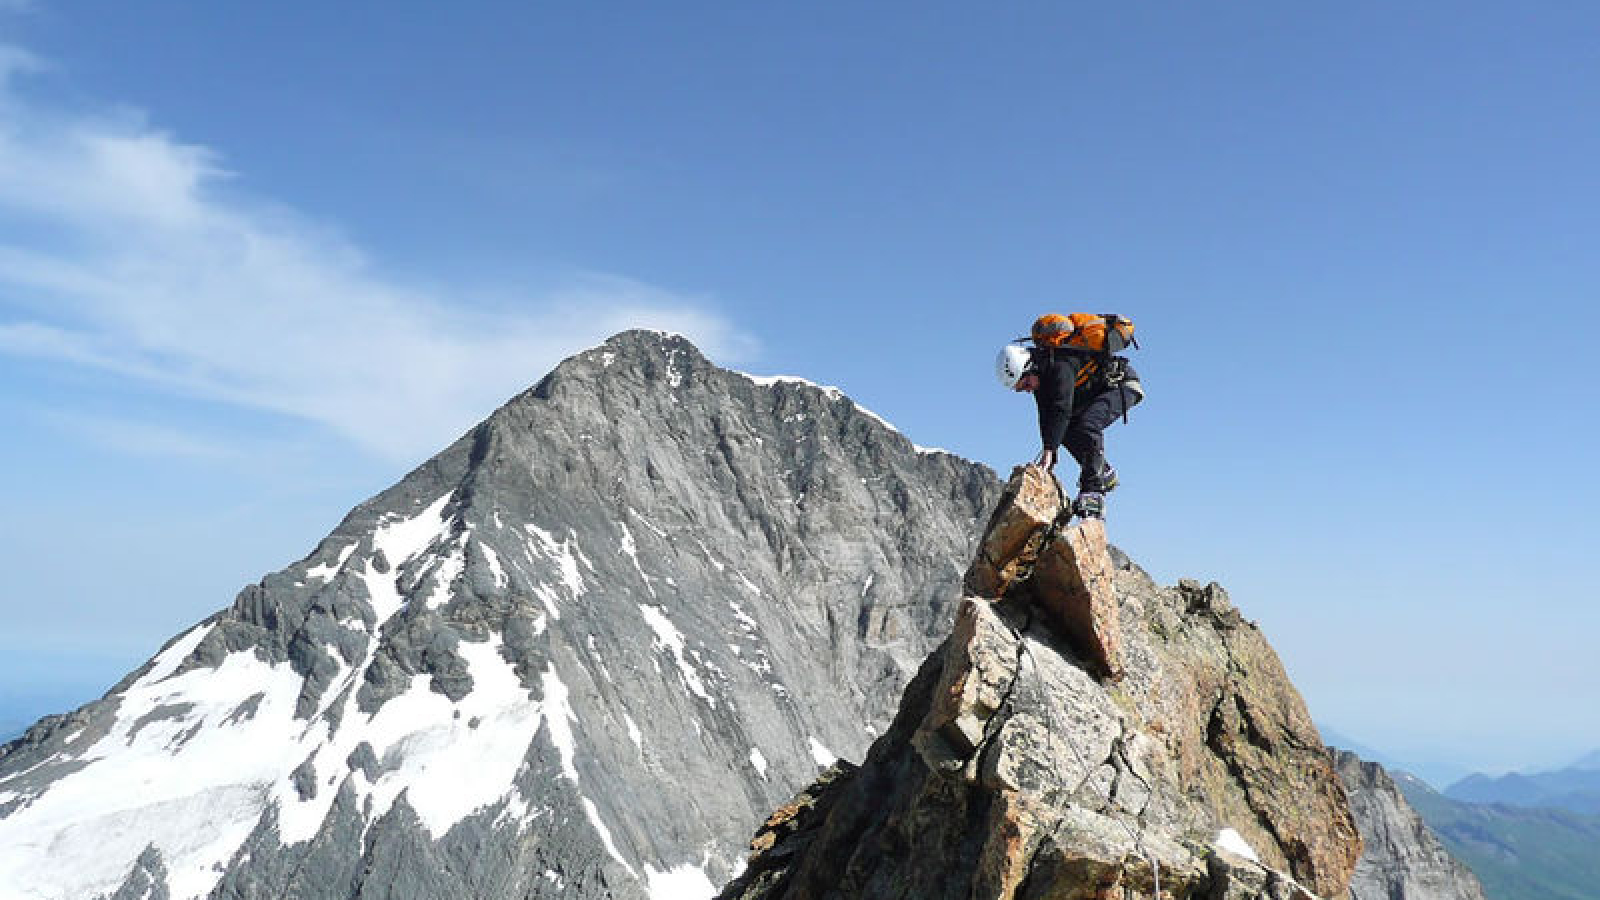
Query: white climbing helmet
[1011,365]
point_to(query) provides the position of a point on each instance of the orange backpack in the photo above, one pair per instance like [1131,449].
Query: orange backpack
[1104,334]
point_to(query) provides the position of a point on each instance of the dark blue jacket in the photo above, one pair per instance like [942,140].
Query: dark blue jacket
[1068,379]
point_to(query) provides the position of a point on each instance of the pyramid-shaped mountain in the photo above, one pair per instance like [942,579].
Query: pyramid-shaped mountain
[578,653]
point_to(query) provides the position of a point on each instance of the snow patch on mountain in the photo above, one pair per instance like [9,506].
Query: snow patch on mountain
[480,741]
[328,570]
[399,540]
[493,559]
[182,769]
[685,882]
[444,575]
[169,659]
[630,549]
[606,840]
[567,557]
[190,769]
[559,718]
[668,637]
[1233,842]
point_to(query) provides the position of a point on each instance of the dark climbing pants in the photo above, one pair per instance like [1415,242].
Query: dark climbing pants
[1085,438]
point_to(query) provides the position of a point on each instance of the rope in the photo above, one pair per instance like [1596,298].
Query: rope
[1050,722]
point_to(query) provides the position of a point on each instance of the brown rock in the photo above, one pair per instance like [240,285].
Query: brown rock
[980,665]
[790,828]
[1236,730]
[1074,587]
[1003,862]
[1016,529]
[1012,773]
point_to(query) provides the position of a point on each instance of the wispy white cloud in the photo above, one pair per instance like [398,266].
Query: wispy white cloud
[147,439]
[122,249]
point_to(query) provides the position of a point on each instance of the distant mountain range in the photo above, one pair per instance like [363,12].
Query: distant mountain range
[1575,788]
[1518,853]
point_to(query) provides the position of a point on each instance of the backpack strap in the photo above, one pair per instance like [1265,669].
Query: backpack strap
[1108,364]
[1109,321]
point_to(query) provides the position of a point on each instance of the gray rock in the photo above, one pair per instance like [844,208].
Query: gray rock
[654,593]
[147,881]
[1403,859]
[1018,768]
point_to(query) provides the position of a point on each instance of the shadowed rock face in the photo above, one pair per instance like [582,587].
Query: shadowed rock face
[1403,859]
[1016,768]
[578,653]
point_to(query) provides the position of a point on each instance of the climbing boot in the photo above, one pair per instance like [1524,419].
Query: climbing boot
[1090,505]
[1103,483]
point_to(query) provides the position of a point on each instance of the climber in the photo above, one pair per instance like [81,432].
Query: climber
[1081,386]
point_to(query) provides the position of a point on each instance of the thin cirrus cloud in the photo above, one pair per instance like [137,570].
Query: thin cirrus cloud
[137,438]
[121,251]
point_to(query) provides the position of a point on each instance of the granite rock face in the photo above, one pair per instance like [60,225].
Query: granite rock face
[1016,768]
[1074,589]
[1403,860]
[1016,532]
[579,653]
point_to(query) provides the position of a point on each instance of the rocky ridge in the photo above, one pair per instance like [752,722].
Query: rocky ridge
[1403,859]
[1082,733]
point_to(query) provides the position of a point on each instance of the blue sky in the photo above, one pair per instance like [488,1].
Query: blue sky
[257,260]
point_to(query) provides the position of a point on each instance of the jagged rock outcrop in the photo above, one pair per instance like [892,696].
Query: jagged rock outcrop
[578,654]
[1403,859]
[1018,766]
[1073,586]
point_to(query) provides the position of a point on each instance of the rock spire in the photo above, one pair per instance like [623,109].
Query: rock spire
[1082,733]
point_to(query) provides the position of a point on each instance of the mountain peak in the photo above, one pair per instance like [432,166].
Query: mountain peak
[639,356]
[640,347]
[575,652]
